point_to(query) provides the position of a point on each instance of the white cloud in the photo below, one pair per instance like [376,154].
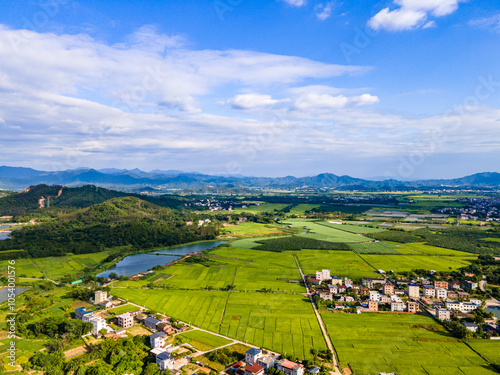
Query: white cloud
[249,101]
[324,11]
[412,14]
[490,23]
[295,3]
[365,99]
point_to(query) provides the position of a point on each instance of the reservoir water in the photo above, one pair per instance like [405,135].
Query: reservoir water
[4,235]
[4,293]
[134,264]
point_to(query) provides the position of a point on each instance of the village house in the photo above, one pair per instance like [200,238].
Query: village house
[471,284]
[413,291]
[254,369]
[266,362]
[323,275]
[347,281]
[289,367]
[372,306]
[98,323]
[165,327]
[452,294]
[125,320]
[374,295]
[252,355]
[81,312]
[364,291]
[441,284]
[388,289]
[336,280]
[412,307]
[462,294]
[370,282]
[429,291]
[454,285]
[165,361]
[441,293]
[100,296]
[443,314]
[333,289]
[397,306]
[470,326]
[461,306]
[326,296]
[346,299]
[385,299]
[151,322]
[157,340]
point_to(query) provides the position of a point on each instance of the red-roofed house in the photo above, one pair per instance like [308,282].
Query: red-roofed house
[254,369]
[289,367]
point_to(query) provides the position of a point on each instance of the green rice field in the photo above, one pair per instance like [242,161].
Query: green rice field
[340,263]
[353,228]
[325,233]
[371,343]
[374,248]
[204,341]
[404,263]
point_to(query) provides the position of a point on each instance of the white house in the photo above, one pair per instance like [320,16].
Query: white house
[157,339]
[98,323]
[333,289]
[100,296]
[429,291]
[441,293]
[252,355]
[323,275]
[165,361]
[397,306]
[374,295]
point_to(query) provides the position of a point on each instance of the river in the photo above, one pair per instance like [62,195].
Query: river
[134,264]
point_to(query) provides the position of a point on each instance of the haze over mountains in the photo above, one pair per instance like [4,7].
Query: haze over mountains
[19,178]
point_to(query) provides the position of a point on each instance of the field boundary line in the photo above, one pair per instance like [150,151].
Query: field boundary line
[227,301]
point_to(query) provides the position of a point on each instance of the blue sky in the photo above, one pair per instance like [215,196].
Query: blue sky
[397,88]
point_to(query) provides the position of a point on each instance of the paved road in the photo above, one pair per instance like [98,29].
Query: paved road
[482,283]
[320,321]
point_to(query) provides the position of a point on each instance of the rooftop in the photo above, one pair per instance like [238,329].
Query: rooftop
[253,368]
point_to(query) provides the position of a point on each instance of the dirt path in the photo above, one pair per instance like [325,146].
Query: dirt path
[320,321]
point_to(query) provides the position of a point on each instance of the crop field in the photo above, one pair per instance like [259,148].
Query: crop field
[298,243]
[204,341]
[357,229]
[200,308]
[489,349]
[250,243]
[123,309]
[324,233]
[281,322]
[422,248]
[55,267]
[374,248]
[340,263]
[404,263]
[300,209]
[405,344]
[259,269]
[247,229]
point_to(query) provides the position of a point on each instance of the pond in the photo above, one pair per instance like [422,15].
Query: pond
[134,264]
[494,309]
[4,235]
[4,293]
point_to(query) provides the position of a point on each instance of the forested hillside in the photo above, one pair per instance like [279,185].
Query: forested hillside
[116,222]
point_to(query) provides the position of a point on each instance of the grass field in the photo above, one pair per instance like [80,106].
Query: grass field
[122,309]
[204,341]
[279,322]
[263,207]
[250,243]
[200,308]
[340,263]
[353,228]
[324,233]
[374,248]
[404,263]
[300,209]
[400,343]
[55,267]
[489,349]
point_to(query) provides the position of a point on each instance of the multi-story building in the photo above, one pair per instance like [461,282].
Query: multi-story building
[81,312]
[253,369]
[100,296]
[165,361]
[429,291]
[374,295]
[326,296]
[443,314]
[471,284]
[441,284]
[372,305]
[98,323]
[157,340]
[441,293]
[412,307]
[252,355]
[413,291]
[336,280]
[125,320]
[333,288]
[397,306]
[461,306]
[388,289]
[323,275]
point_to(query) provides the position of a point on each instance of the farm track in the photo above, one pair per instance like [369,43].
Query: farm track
[320,321]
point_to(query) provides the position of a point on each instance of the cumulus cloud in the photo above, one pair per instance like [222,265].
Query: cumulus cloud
[295,3]
[249,101]
[324,11]
[489,23]
[412,14]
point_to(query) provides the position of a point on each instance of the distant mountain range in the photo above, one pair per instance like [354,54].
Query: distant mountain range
[16,178]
